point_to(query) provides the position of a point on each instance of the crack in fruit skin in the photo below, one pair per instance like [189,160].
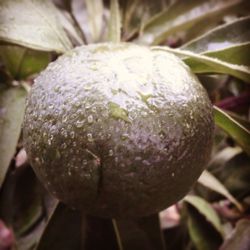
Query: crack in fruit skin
[118,130]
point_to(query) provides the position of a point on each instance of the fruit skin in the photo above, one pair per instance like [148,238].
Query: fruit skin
[118,130]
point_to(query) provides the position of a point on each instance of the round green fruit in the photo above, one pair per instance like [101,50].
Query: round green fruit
[118,130]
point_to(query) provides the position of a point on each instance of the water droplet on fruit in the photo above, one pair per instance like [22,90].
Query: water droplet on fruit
[90,137]
[72,134]
[90,119]
[79,123]
[64,118]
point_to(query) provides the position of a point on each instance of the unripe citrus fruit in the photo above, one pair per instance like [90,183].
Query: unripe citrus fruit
[118,130]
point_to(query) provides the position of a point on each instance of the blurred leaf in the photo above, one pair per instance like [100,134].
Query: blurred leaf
[143,233]
[201,232]
[181,16]
[136,12]
[222,37]
[12,105]
[240,238]
[22,62]
[95,16]
[223,156]
[33,24]
[235,175]
[243,121]
[21,201]
[239,103]
[63,4]
[239,133]
[68,22]
[206,210]
[205,64]
[114,31]
[229,42]
[209,181]
[63,230]
[30,239]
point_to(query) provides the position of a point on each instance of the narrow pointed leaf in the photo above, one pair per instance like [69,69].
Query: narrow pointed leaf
[181,16]
[144,233]
[206,210]
[33,24]
[222,37]
[12,105]
[239,133]
[202,233]
[95,17]
[22,62]
[209,65]
[211,182]
[114,31]
[229,42]
[74,32]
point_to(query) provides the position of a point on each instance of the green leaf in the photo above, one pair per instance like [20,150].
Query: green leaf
[70,24]
[239,133]
[21,201]
[95,18]
[211,182]
[181,16]
[222,37]
[63,230]
[32,24]
[30,239]
[235,175]
[22,62]
[12,105]
[229,42]
[223,156]
[205,64]
[202,234]
[240,238]
[114,31]
[143,233]
[206,210]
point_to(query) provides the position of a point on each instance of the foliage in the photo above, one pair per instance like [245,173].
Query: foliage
[212,37]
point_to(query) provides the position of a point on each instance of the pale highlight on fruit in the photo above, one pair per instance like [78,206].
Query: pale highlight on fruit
[118,130]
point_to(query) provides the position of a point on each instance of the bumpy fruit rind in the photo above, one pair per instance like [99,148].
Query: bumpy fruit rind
[118,130]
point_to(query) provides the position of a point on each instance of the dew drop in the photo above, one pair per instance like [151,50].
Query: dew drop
[90,137]
[49,141]
[79,123]
[64,118]
[124,137]
[72,134]
[58,155]
[90,119]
